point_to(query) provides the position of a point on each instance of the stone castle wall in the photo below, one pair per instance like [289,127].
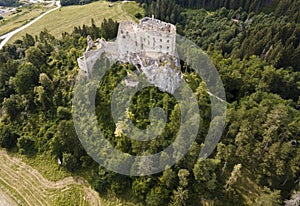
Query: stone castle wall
[150,36]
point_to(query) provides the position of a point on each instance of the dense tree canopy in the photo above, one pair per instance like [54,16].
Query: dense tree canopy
[257,160]
[74,2]
[9,2]
[282,8]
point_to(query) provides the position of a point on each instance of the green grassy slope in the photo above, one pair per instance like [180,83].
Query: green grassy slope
[64,19]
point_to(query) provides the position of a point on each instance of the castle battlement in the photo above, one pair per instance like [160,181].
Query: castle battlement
[148,23]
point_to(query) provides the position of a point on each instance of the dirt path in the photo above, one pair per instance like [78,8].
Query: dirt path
[21,184]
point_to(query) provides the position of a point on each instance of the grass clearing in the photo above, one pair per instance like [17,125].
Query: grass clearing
[132,9]
[74,195]
[26,186]
[21,16]
[66,18]
[47,166]
[23,182]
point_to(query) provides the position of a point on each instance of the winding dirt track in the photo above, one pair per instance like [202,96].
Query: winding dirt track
[21,184]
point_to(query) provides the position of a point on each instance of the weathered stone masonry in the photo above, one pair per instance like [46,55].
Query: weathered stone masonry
[149,45]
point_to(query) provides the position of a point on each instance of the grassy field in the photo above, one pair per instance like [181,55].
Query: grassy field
[47,166]
[13,20]
[23,182]
[64,19]
[26,186]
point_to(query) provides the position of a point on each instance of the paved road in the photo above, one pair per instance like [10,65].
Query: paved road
[7,36]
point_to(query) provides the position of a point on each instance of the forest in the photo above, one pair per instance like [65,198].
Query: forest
[168,10]
[74,2]
[9,2]
[255,47]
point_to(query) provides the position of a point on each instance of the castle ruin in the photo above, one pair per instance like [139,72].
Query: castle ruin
[150,45]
